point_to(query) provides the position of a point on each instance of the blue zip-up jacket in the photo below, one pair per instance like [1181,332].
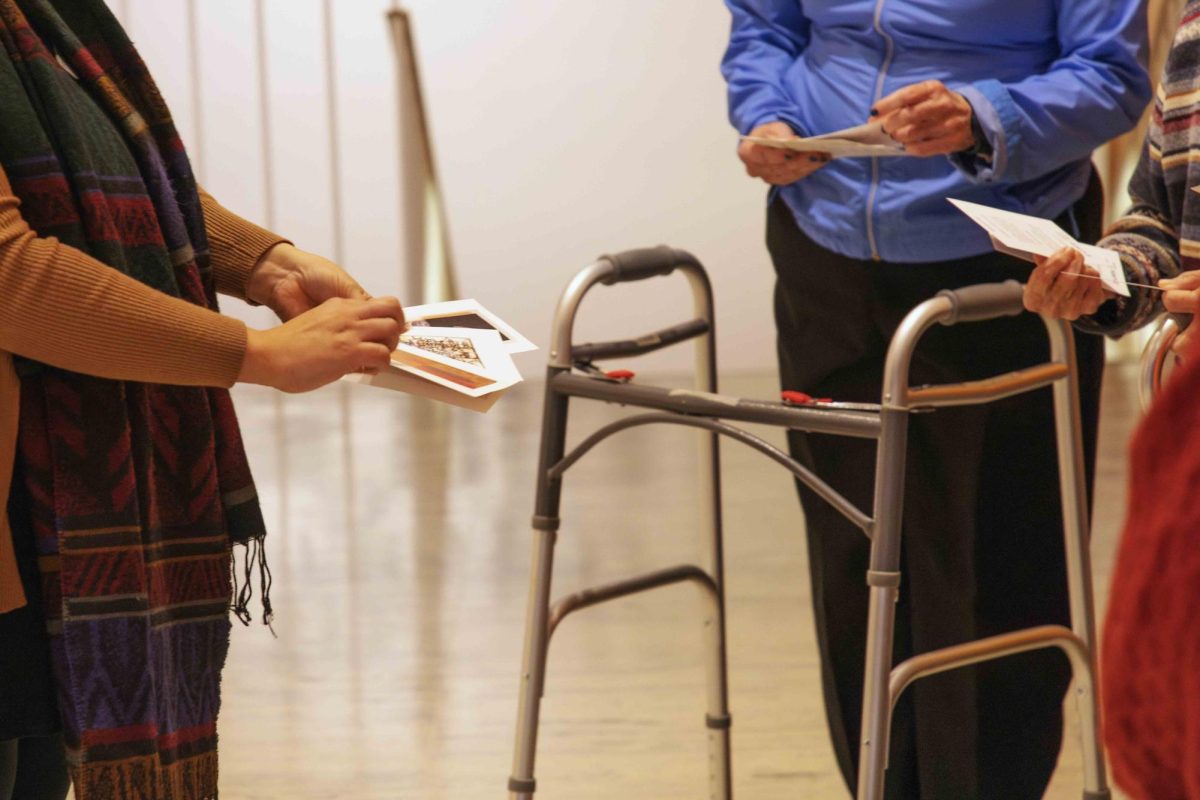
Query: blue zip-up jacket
[1049,81]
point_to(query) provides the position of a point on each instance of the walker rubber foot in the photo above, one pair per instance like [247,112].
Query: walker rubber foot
[518,786]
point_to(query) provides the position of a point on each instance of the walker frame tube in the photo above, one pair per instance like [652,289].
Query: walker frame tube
[882,683]
[1156,357]
[541,620]
[888,423]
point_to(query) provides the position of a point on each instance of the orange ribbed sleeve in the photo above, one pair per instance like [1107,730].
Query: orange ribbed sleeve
[64,308]
[236,244]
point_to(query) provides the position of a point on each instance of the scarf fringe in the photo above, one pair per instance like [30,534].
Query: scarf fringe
[253,559]
[146,779]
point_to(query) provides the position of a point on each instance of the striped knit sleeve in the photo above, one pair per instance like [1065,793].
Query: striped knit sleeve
[1159,236]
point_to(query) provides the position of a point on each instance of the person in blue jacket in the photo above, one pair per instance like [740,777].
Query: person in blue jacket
[999,103]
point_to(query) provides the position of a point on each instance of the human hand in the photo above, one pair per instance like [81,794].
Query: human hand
[927,118]
[320,346]
[290,281]
[1052,290]
[1182,296]
[775,166]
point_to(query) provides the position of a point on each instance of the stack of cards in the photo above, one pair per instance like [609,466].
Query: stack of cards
[868,140]
[457,353]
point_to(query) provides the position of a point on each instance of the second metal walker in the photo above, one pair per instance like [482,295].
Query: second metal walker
[572,375]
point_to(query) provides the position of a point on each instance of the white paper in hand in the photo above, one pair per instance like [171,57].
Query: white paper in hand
[1024,236]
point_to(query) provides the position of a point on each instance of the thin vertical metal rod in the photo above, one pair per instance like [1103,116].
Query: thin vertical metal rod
[339,219]
[339,255]
[1076,526]
[266,151]
[267,161]
[197,88]
[335,137]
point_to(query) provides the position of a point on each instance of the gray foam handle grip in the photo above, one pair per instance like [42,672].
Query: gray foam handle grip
[985,301]
[648,262]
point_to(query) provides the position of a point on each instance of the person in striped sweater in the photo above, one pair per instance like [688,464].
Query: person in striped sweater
[1159,236]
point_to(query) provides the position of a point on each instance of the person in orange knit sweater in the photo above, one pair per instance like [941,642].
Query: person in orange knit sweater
[121,465]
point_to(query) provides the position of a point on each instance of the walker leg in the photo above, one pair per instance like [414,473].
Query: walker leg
[884,580]
[521,784]
[1068,430]
[718,719]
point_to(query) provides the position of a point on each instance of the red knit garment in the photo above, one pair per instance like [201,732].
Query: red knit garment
[1150,655]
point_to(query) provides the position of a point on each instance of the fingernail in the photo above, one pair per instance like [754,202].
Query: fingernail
[874,112]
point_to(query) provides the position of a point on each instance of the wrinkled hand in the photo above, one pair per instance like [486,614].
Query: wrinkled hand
[1052,290]
[927,118]
[1183,297]
[320,346]
[778,167]
[290,281]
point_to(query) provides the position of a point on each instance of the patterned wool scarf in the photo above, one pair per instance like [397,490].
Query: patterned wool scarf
[139,491]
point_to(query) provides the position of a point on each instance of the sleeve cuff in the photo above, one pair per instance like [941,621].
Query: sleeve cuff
[790,119]
[236,244]
[997,117]
[1123,314]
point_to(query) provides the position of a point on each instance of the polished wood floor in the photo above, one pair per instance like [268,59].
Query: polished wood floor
[400,551]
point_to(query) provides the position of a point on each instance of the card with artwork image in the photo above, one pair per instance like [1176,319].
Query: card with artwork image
[466,360]
[468,314]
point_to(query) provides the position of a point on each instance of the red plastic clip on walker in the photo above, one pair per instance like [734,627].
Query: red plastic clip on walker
[803,399]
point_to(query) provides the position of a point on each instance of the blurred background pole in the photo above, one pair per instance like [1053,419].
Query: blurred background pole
[428,261]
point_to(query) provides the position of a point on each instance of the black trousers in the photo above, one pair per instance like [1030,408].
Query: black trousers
[982,525]
[33,763]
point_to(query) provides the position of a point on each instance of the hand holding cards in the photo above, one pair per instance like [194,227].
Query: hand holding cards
[868,140]
[457,353]
[1024,237]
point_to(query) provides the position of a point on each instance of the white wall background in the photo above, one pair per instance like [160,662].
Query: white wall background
[562,129]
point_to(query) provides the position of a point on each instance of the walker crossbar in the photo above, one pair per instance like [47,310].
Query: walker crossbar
[703,408]
[624,588]
[989,649]
[799,471]
[815,418]
[628,348]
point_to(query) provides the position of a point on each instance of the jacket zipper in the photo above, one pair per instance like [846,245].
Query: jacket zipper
[889,51]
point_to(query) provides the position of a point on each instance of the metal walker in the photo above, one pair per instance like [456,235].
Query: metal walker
[571,374]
